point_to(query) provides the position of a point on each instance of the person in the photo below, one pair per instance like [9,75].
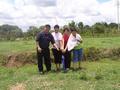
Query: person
[43,53]
[75,44]
[57,51]
[66,53]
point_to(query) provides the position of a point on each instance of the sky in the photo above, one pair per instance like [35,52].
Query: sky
[25,13]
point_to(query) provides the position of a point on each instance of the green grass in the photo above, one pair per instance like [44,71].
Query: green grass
[16,46]
[7,47]
[102,75]
[110,42]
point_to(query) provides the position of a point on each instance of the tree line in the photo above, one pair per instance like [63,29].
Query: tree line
[10,32]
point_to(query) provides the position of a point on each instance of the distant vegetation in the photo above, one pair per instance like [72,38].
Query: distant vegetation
[99,29]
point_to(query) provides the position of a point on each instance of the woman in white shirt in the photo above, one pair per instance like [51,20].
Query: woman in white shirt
[57,51]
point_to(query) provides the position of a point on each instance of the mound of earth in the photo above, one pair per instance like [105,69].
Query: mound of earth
[21,59]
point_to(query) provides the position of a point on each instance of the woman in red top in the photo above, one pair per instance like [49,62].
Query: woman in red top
[66,53]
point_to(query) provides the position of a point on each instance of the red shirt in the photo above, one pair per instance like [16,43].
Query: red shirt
[65,37]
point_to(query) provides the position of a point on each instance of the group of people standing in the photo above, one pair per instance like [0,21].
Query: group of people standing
[63,45]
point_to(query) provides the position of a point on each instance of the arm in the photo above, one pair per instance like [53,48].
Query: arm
[61,41]
[53,42]
[38,47]
[56,46]
[79,39]
[64,48]
[37,43]
[61,44]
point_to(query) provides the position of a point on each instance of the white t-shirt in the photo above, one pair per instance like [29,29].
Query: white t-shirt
[73,41]
[57,38]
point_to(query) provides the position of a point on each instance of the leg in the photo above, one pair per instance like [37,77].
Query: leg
[56,55]
[69,59]
[47,60]
[80,56]
[75,58]
[40,61]
[67,56]
[59,58]
[65,60]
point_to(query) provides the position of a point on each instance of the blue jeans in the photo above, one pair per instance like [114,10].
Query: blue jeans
[77,55]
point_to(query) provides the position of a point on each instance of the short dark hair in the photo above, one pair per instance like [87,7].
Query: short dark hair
[56,26]
[47,26]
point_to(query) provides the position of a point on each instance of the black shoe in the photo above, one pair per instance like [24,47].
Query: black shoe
[65,71]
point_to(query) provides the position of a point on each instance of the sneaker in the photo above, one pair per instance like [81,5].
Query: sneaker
[67,69]
[41,72]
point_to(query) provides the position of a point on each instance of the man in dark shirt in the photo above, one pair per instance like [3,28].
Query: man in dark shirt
[42,41]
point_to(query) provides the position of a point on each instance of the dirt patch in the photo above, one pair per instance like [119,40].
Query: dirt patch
[18,86]
[92,54]
[20,59]
[12,62]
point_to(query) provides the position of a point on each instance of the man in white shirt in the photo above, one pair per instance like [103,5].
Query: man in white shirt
[57,51]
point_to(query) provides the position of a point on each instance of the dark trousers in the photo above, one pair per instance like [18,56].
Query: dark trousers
[57,56]
[44,55]
[67,59]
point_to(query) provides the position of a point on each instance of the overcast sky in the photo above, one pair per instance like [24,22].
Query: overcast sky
[25,13]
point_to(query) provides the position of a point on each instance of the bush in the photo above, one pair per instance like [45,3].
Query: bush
[3,59]
[92,54]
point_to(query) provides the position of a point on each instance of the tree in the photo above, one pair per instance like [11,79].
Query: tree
[9,32]
[32,31]
[80,26]
[72,24]
[99,27]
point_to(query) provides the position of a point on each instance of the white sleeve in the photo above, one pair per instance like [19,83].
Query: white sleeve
[79,37]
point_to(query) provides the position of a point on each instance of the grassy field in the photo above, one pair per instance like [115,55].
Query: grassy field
[101,75]
[21,46]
